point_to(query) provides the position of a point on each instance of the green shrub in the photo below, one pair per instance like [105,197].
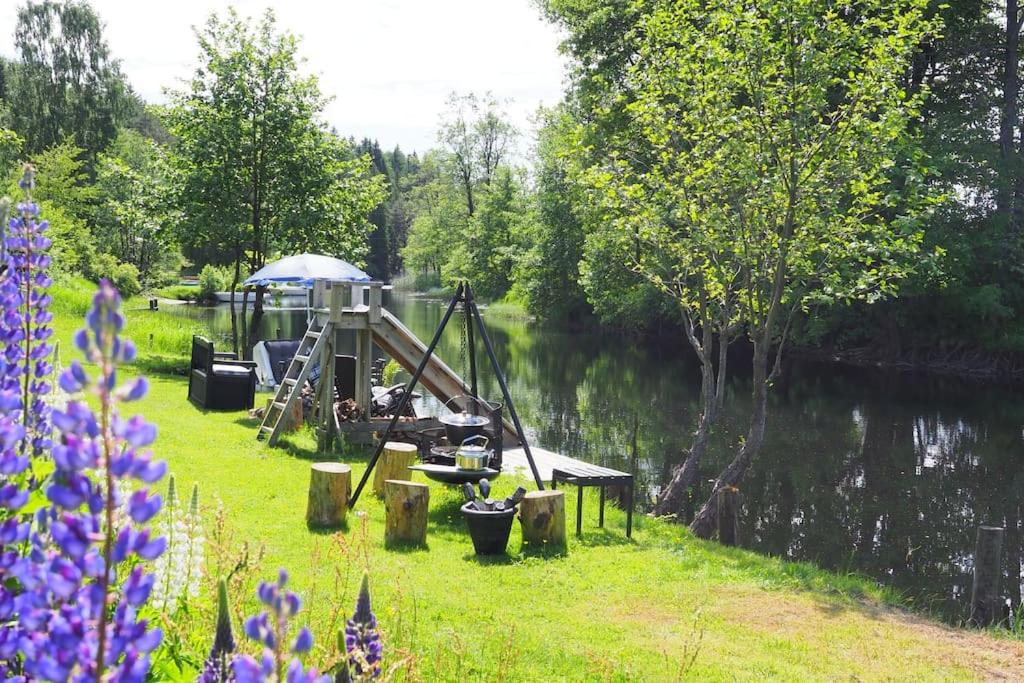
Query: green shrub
[211,281]
[124,276]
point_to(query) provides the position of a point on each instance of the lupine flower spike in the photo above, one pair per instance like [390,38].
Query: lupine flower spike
[217,668]
[362,638]
[83,582]
[270,628]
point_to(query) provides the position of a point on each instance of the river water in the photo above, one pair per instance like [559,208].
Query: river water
[886,474]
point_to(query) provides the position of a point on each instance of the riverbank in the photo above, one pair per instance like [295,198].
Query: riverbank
[660,607]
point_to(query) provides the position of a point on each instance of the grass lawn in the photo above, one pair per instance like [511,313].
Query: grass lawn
[663,606]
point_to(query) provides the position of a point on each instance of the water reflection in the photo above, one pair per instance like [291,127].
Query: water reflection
[886,474]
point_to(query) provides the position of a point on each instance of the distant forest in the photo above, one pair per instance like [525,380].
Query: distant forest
[124,185]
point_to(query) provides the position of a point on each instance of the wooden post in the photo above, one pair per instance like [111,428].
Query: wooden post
[542,515]
[374,314]
[337,304]
[405,507]
[393,464]
[330,484]
[364,368]
[325,394]
[986,601]
[729,515]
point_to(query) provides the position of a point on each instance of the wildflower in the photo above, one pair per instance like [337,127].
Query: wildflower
[76,614]
[362,638]
[180,569]
[24,331]
[217,668]
[270,628]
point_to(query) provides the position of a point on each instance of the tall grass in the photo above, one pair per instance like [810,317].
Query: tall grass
[164,340]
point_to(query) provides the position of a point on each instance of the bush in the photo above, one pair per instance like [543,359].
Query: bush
[211,281]
[124,276]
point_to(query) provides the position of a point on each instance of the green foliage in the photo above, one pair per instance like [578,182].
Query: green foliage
[12,147]
[440,220]
[477,137]
[257,171]
[212,280]
[764,171]
[134,221]
[488,252]
[124,276]
[64,195]
[63,180]
[548,272]
[390,373]
[64,83]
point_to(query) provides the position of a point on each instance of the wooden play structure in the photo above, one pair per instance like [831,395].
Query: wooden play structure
[342,306]
[356,306]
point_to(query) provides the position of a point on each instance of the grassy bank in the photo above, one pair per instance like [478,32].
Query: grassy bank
[663,606]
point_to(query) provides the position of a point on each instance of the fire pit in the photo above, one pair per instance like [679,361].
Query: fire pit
[489,521]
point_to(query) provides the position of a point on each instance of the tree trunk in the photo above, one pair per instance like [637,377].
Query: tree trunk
[728,515]
[1007,186]
[542,515]
[246,346]
[405,506]
[330,484]
[672,498]
[234,321]
[723,357]
[705,523]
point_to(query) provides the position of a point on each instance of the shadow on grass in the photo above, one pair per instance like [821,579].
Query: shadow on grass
[406,547]
[544,551]
[445,513]
[601,536]
[325,530]
[490,560]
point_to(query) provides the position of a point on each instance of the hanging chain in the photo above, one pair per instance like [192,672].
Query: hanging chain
[463,350]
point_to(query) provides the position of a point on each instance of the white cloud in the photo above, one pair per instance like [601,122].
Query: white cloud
[389,65]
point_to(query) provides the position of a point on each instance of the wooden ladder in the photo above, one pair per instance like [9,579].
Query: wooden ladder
[290,389]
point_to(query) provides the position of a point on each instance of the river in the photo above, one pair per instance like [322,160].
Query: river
[886,474]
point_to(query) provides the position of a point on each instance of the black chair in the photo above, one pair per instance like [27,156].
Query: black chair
[281,352]
[219,381]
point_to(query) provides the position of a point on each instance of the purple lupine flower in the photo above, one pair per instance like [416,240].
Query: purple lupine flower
[24,415]
[75,614]
[270,628]
[362,638]
[217,668]
[24,329]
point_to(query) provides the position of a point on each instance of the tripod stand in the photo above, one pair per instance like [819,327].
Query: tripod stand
[463,295]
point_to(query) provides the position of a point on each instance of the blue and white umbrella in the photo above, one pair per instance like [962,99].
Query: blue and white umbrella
[301,270]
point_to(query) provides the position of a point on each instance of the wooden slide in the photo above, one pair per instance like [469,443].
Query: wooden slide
[396,340]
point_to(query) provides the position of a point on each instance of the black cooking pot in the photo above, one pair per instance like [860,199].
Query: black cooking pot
[463,425]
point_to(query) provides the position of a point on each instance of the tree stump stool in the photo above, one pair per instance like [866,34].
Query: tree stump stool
[393,464]
[542,515]
[405,507]
[330,484]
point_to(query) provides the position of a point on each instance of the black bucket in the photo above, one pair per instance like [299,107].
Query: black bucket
[489,530]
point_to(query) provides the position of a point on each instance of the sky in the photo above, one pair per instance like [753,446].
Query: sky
[389,64]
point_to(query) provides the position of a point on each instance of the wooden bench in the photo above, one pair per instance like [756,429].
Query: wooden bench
[593,475]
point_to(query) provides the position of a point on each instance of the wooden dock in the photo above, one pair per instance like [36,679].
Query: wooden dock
[514,460]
